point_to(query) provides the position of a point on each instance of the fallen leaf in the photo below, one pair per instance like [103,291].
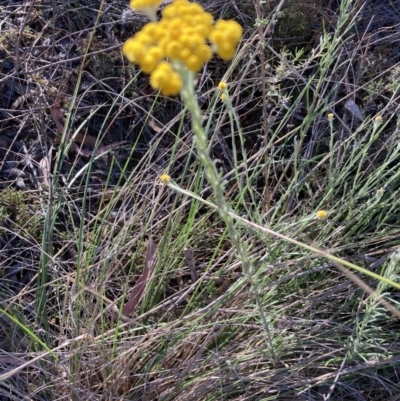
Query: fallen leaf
[143,280]
[154,125]
[190,260]
[354,109]
[44,172]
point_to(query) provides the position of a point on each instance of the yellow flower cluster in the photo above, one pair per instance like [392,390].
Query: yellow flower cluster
[181,37]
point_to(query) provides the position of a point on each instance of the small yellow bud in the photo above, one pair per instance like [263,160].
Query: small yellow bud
[223,97]
[330,116]
[222,86]
[378,119]
[165,179]
[321,214]
[379,192]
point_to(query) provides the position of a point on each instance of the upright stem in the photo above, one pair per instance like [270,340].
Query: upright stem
[189,98]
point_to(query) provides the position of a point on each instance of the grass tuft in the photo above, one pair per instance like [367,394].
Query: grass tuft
[305,142]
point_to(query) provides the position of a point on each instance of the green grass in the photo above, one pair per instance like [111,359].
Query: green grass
[298,324]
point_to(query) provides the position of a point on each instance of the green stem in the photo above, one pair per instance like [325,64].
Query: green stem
[189,99]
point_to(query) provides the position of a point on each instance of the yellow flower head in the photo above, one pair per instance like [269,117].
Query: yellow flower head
[223,97]
[225,37]
[378,119]
[330,116]
[165,179]
[222,86]
[166,79]
[149,7]
[321,214]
